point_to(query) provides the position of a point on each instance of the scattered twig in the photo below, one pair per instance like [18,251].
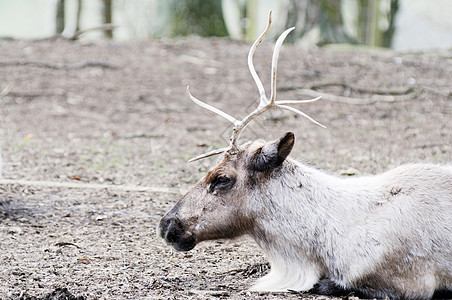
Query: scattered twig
[250,270]
[58,66]
[432,145]
[144,136]
[85,260]
[61,244]
[167,283]
[6,90]
[33,94]
[77,185]
[210,293]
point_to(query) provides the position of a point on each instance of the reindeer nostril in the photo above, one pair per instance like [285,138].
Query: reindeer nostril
[173,231]
[162,227]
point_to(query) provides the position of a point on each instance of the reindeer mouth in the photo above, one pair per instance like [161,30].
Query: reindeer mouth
[173,232]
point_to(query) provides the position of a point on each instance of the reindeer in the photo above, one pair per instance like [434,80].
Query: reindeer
[388,235]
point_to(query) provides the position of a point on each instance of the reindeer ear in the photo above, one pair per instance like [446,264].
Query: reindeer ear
[272,154]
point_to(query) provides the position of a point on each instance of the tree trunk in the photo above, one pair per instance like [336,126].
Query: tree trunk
[250,13]
[389,33]
[325,16]
[59,17]
[79,11]
[108,17]
[367,22]
[332,23]
[201,17]
[369,18]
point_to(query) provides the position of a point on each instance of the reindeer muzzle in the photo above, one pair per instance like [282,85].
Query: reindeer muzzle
[173,231]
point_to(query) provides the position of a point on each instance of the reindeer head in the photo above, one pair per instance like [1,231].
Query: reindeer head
[222,204]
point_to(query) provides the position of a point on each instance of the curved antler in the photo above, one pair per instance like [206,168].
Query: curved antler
[211,108]
[275,57]
[253,48]
[264,103]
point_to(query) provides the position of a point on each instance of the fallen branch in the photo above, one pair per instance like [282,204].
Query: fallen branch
[104,27]
[361,101]
[210,293]
[377,95]
[73,185]
[437,92]
[33,95]
[78,33]
[58,66]
[357,89]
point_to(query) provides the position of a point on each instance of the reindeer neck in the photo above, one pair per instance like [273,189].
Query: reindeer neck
[305,206]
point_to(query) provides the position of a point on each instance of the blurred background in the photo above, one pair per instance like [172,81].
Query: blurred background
[398,24]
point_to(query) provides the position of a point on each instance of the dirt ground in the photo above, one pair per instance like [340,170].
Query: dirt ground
[109,113]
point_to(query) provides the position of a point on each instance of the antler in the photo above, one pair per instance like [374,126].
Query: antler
[264,104]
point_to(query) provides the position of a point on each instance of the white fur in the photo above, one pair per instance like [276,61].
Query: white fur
[288,273]
[388,235]
[398,223]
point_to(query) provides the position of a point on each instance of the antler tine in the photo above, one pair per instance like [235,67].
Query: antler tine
[298,112]
[286,102]
[283,103]
[211,153]
[211,108]
[264,104]
[276,51]
[260,86]
[218,112]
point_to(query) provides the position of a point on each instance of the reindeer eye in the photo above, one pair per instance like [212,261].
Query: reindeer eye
[222,180]
[221,183]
